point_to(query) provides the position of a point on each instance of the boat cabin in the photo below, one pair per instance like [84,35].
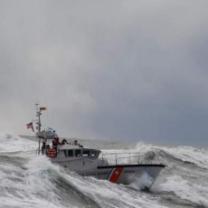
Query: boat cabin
[75,157]
[74,151]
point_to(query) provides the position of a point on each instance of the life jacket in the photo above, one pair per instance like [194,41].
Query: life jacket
[52,152]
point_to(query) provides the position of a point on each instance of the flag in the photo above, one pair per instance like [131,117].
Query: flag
[43,108]
[30,126]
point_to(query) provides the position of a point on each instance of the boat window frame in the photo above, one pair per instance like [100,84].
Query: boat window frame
[79,154]
[87,154]
[70,150]
[66,152]
[96,153]
[93,154]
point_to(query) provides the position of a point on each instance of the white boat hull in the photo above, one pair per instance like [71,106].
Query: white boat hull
[122,173]
[130,173]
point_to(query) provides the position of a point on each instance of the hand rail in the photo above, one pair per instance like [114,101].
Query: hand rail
[117,158]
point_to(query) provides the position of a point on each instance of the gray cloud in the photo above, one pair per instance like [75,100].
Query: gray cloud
[134,70]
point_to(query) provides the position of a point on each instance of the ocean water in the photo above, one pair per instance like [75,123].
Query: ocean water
[28,180]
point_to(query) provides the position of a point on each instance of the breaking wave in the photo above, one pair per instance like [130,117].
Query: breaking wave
[28,180]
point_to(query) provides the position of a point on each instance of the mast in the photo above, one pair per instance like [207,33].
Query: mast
[39,134]
[38,125]
[38,122]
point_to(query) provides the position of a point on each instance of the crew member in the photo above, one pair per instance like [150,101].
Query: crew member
[55,142]
[43,147]
[64,141]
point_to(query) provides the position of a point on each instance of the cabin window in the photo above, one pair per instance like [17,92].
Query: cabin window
[77,152]
[65,153]
[86,153]
[94,154]
[70,153]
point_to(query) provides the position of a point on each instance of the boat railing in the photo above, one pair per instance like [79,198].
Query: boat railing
[124,158]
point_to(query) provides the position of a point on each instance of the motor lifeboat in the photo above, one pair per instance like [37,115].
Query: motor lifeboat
[122,168]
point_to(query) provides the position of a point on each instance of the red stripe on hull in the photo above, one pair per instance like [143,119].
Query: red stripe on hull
[115,174]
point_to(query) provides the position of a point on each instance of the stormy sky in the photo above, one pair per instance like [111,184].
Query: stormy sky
[127,70]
